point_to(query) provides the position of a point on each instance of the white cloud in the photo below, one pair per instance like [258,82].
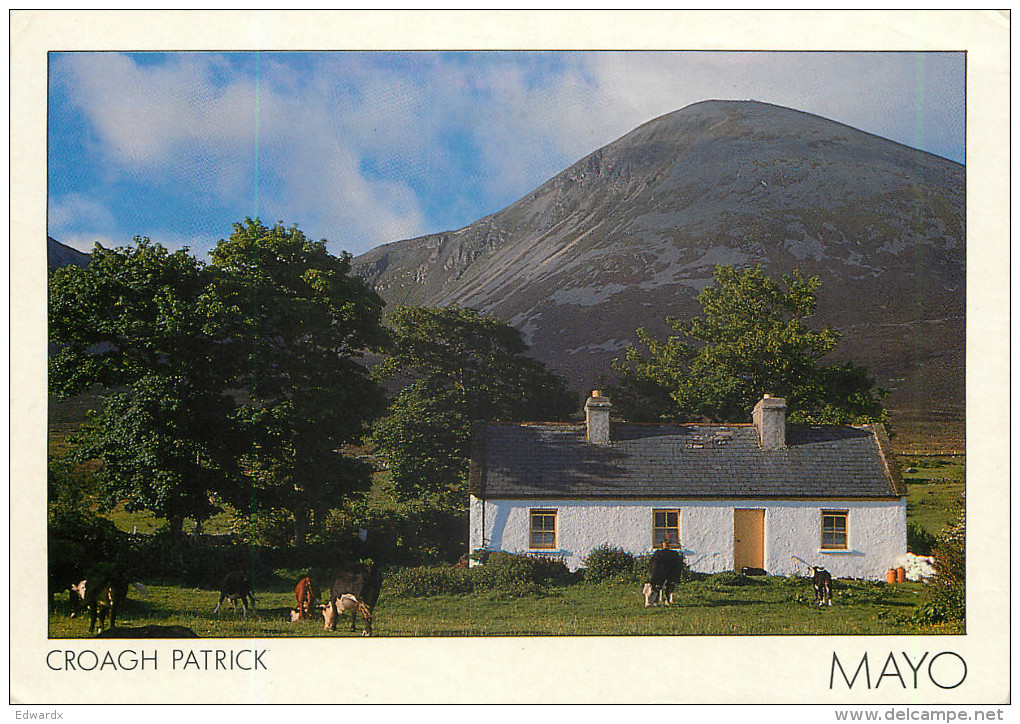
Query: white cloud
[74,210]
[340,143]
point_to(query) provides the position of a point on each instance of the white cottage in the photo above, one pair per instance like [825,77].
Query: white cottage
[729,496]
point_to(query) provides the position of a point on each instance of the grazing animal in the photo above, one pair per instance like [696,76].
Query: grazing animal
[67,564]
[305,594]
[355,588]
[102,594]
[823,586]
[236,587]
[148,632]
[463,562]
[664,571]
[346,602]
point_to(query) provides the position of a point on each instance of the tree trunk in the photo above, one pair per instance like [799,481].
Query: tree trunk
[176,525]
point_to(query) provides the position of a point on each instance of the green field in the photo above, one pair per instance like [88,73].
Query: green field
[713,606]
[935,490]
[762,606]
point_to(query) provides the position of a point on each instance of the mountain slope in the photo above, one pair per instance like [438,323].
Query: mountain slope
[632,232]
[58,255]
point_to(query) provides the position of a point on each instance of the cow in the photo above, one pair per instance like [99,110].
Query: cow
[346,602]
[355,588]
[305,594]
[822,581]
[148,632]
[236,587]
[103,593]
[68,563]
[664,572]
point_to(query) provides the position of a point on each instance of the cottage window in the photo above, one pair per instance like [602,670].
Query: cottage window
[543,529]
[834,529]
[665,526]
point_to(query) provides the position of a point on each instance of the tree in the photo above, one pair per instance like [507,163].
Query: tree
[751,339]
[137,319]
[455,366]
[297,324]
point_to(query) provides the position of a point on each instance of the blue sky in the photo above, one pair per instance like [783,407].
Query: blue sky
[365,148]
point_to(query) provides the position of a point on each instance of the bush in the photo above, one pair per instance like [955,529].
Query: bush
[502,575]
[945,595]
[503,571]
[727,579]
[607,561]
[919,541]
[430,581]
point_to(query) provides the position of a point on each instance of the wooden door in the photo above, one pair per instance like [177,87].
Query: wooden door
[748,538]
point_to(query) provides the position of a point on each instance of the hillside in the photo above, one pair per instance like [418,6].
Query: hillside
[58,255]
[631,233]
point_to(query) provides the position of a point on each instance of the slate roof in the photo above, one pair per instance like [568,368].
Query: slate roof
[679,461]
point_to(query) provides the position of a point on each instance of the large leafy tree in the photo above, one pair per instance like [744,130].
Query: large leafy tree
[454,366]
[297,324]
[137,320]
[752,338]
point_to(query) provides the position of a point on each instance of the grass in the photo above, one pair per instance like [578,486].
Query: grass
[145,522]
[935,490]
[709,607]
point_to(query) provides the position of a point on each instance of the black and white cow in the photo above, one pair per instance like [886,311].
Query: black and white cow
[823,586]
[236,587]
[355,588]
[664,572]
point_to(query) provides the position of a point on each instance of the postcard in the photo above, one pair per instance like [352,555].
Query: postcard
[511,357]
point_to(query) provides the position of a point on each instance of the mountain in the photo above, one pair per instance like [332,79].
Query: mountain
[631,233]
[58,254]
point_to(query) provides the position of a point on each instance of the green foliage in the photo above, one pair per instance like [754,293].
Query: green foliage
[607,561]
[417,531]
[454,367]
[510,573]
[161,449]
[430,581]
[270,527]
[751,339]
[133,312]
[298,323]
[502,575]
[919,541]
[945,595]
[729,579]
[275,318]
[426,443]
[137,318]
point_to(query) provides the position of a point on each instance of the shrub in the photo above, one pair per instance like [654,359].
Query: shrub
[502,571]
[430,581]
[919,541]
[607,561]
[945,594]
[727,579]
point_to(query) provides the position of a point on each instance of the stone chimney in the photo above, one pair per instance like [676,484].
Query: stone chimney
[769,418]
[596,415]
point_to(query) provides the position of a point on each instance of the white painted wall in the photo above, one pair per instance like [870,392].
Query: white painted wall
[876,531]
